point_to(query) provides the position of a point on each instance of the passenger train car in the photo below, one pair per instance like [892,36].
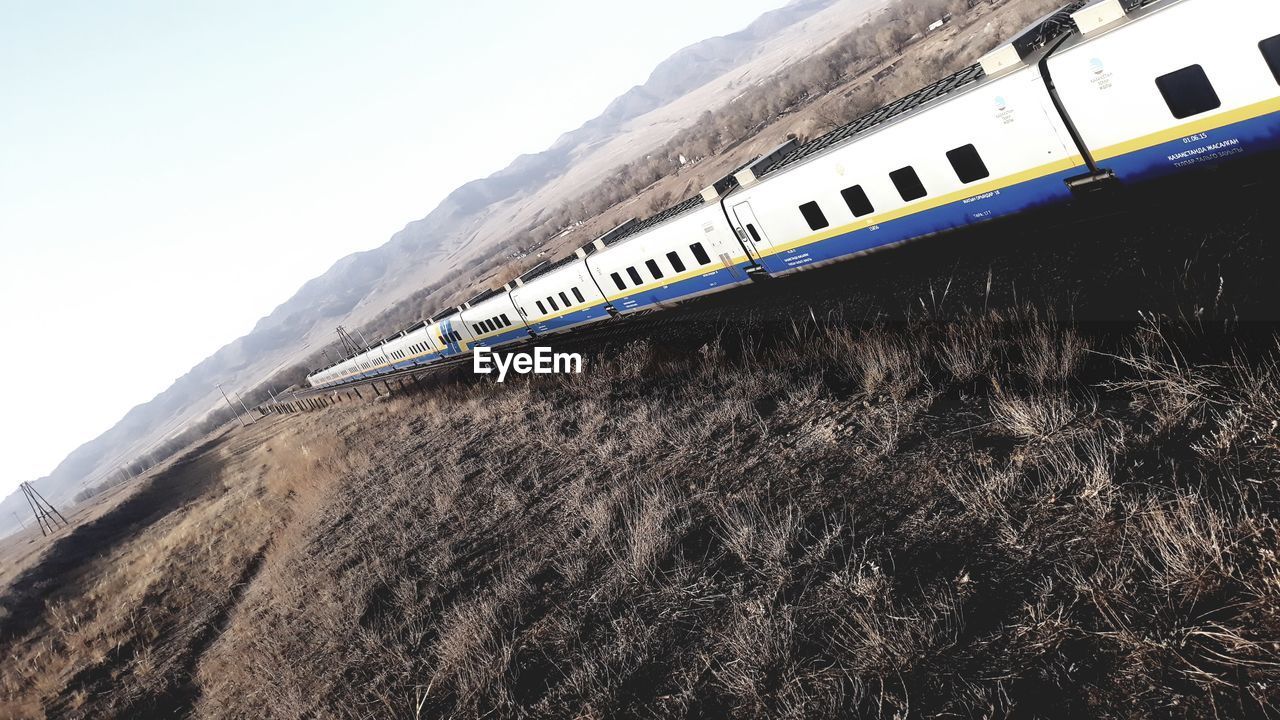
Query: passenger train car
[1102,94]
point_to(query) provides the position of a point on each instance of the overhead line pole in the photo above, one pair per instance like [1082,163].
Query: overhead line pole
[246,407]
[233,407]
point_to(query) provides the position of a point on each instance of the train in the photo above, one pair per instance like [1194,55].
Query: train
[1095,95]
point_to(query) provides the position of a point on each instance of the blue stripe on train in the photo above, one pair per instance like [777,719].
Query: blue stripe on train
[720,279]
[1212,147]
[577,317]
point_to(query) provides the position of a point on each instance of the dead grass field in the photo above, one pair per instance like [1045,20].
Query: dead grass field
[1003,515]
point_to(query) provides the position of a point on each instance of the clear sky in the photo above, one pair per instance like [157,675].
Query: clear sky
[171,171]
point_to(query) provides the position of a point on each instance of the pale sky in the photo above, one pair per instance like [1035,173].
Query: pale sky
[172,171]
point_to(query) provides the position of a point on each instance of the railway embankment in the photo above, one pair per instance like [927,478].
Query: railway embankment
[1009,512]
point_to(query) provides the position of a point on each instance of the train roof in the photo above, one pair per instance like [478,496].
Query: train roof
[635,227]
[547,266]
[485,295]
[443,314]
[1035,36]
[1133,10]
[641,225]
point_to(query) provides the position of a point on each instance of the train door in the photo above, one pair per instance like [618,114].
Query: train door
[750,231]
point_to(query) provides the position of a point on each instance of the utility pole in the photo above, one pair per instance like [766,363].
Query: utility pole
[363,339]
[47,516]
[350,347]
[233,407]
[21,524]
[246,407]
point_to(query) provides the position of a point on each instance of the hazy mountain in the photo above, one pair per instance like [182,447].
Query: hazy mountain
[366,282]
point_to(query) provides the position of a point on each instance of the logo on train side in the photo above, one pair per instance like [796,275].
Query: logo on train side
[1102,79]
[1003,112]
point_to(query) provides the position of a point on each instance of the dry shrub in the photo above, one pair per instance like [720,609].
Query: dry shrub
[893,364]
[1037,417]
[966,350]
[1047,352]
[761,539]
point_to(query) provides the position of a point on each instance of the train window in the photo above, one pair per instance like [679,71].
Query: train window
[1188,92]
[813,215]
[674,258]
[475,329]
[1271,51]
[505,321]
[856,198]
[908,183]
[968,164]
[700,254]
[753,232]
[654,270]
[552,302]
[565,299]
[541,308]
[634,275]
[578,294]
[617,280]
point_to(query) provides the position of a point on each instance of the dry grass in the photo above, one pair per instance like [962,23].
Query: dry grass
[1003,516]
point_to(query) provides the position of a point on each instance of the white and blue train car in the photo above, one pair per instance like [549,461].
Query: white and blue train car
[986,147]
[493,319]
[682,253]
[1174,85]
[410,349]
[561,296]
